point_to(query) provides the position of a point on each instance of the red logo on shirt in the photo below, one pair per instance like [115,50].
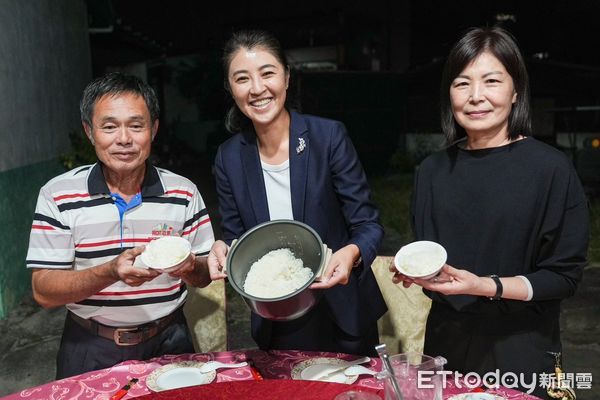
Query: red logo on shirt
[163,230]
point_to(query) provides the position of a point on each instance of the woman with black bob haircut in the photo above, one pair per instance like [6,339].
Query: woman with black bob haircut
[502,45]
[281,164]
[509,210]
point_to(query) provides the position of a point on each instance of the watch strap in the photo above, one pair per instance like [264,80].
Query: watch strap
[499,287]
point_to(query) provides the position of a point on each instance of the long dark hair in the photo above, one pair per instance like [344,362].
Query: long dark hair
[504,47]
[235,120]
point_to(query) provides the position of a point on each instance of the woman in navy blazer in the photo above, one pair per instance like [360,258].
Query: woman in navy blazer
[286,165]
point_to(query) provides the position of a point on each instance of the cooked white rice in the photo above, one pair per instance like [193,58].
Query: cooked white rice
[166,252]
[421,262]
[276,274]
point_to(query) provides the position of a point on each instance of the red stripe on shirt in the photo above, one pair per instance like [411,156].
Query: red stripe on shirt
[43,227]
[192,229]
[70,196]
[146,291]
[116,241]
[179,192]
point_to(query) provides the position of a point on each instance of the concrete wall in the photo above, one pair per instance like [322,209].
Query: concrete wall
[44,65]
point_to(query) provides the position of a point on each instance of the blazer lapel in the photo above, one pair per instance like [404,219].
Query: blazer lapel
[299,152]
[255,183]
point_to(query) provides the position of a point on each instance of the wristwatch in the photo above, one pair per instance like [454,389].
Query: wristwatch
[499,287]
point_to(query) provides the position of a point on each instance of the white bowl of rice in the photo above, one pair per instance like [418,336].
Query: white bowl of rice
[423,259]
[166,253]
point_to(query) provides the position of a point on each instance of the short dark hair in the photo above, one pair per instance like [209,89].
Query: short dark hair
[235,120]
[115,83]
[503,46]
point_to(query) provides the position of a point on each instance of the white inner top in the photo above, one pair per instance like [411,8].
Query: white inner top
[277,185]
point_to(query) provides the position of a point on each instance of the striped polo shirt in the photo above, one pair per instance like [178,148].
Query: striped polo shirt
[77,225]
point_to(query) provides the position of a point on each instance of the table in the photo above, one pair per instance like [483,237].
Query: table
[267,389]
[272,365]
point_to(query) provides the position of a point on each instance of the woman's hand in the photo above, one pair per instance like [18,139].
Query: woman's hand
[451,281]
[339,268]
[217,259]
[398,277]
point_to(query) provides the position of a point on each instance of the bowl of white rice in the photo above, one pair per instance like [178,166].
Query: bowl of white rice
[423,259]
[272,265]
[166,253]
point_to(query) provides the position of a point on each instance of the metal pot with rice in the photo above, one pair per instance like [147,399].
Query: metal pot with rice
[282,247]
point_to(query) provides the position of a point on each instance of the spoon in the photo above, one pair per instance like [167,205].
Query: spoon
[340,369]
[358,370]
[213,365]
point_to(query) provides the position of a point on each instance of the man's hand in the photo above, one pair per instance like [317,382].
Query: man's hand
[123,269]
[193,271]
[186,267]
[56,287]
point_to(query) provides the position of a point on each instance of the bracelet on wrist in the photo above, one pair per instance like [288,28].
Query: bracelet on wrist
[499,287]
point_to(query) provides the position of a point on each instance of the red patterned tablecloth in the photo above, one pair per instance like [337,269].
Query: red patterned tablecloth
[267,389]
[273,365]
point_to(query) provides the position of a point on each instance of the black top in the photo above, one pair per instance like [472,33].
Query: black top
[512,210]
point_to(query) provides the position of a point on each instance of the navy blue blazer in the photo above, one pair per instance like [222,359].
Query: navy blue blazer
[329,193]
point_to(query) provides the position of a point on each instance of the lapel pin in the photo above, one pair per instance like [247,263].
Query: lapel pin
[301,146]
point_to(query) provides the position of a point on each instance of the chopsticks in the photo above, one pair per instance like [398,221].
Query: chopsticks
[255,374]
[253,370]
[123,391]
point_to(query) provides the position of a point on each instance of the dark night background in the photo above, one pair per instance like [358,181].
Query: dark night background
[383,78]
[567,30]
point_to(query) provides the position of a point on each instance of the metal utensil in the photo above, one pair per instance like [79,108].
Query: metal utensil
[341,368]
[213,365]
[387,365]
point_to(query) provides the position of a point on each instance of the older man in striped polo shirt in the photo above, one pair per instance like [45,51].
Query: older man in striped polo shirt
[92,222]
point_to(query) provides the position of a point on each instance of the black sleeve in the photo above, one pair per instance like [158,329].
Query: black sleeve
[563,240]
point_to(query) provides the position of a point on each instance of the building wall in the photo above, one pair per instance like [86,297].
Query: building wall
[44,65]
[19,188]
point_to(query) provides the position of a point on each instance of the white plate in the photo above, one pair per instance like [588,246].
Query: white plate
[476,396]
[177,375]
[312,368]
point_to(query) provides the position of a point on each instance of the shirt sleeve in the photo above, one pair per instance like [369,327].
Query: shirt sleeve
[197,227]
[529,288]
[231,221]
[354,194]
[51,242]
[562,242]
